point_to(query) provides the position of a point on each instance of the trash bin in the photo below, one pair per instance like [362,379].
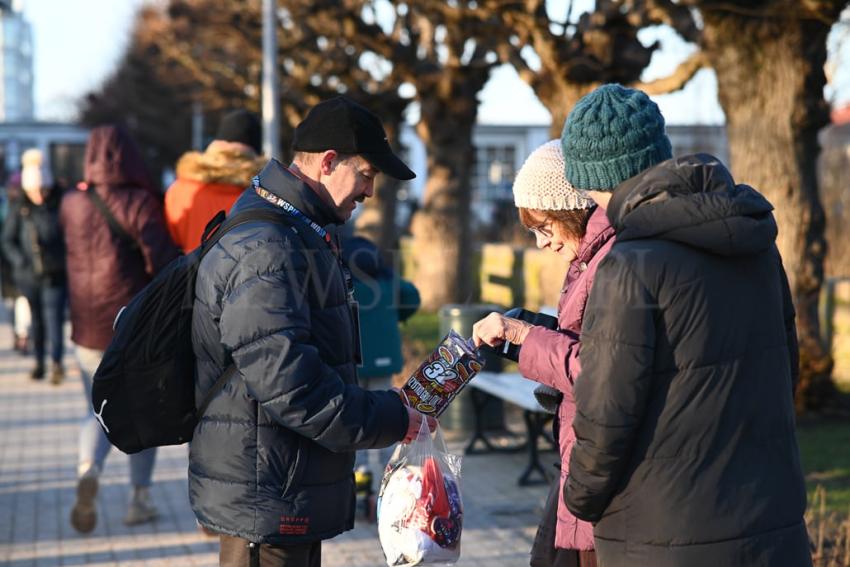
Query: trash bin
[460,415]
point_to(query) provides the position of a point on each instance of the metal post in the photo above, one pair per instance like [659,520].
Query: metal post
[270,101]
[197,126]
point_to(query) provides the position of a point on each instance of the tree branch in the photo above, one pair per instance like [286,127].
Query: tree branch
[677,79]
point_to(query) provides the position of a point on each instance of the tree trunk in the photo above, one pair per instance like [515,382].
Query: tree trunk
[559,101]
[441,228]
[771,79]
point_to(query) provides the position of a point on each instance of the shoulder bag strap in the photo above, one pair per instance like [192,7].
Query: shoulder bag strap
[115,227]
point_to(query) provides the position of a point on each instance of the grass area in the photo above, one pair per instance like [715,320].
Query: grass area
[825,452]
[423,327]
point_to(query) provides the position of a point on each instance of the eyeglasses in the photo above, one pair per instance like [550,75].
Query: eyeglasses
[543,230]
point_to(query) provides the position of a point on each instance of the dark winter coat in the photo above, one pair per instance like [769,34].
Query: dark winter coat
[103,272]
[686,453]
[32,241]
[272,459]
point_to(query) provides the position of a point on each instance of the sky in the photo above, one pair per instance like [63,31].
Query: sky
[78,42]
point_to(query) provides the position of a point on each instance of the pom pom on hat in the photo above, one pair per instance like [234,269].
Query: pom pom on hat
[540,183]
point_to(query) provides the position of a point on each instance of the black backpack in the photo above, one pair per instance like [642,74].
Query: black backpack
[143,392]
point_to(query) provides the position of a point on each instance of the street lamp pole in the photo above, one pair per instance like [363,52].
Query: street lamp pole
[270,93]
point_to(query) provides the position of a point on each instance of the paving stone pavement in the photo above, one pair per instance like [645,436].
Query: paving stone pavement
[38,453]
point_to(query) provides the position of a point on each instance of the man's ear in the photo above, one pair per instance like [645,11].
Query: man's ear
[328,162]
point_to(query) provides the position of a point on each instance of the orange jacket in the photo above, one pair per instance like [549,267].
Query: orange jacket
[207,183]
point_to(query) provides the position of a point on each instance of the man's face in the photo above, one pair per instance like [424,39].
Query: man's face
[348,182]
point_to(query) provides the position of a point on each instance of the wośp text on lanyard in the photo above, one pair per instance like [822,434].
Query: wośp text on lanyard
[290,209]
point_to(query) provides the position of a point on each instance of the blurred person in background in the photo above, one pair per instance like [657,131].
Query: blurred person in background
[16,304]
[211,181]
[568,224]
[117,241]
[32,241]
[385,300]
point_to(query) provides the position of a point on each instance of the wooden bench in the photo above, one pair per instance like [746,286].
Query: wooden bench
[514,388]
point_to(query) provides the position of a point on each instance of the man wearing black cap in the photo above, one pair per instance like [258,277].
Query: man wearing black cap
[211,181]
[271,461]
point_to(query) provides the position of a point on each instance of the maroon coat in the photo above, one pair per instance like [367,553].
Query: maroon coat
[552,358]
[104,273]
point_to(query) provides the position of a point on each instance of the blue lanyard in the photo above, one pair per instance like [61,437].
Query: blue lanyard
[293,211]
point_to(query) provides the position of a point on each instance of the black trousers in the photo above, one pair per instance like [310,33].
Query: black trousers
[543,550]
[237,552]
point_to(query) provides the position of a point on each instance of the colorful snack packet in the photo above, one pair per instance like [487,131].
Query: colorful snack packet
[442,376]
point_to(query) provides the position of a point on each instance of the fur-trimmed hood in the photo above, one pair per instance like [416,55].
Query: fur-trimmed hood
[222,162]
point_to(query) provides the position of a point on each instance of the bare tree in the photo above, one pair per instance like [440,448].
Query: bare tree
[569,57]
[769,58]
[444,51]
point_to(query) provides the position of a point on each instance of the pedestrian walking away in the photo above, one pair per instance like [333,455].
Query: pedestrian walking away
[32,241]
[271,460]
[117,241]
[685,452]
[570,225]
[211,181]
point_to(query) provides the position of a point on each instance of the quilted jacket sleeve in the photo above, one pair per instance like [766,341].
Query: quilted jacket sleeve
[265,323]
[618,343]
[550,358]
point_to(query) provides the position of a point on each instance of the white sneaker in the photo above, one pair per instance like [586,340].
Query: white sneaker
[140,510]
[84,512]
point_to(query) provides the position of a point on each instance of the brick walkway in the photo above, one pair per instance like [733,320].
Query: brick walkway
[38,448]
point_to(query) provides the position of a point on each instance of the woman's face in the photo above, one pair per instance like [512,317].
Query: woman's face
[550,235]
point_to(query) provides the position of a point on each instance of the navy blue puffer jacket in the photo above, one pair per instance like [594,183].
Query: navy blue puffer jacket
[271,461]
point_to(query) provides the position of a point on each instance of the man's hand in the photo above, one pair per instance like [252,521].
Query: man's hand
[495,329]
[415,422]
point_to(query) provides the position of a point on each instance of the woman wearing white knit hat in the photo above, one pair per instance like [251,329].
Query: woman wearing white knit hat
[566,222]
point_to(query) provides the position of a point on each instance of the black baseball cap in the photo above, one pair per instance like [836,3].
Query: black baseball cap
[343,125]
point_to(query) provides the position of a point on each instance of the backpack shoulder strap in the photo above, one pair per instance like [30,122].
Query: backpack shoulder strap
[218,227]
[221,225]
[115,227]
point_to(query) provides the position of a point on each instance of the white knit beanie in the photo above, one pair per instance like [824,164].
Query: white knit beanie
[541,184]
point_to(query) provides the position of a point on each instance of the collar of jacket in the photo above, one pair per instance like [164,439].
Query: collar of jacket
[598,232]
[278,180]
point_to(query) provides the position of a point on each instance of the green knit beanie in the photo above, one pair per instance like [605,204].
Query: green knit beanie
[612,134]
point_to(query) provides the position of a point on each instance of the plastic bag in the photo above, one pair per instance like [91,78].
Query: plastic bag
[420,511]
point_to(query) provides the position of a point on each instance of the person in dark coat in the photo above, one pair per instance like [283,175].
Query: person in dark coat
[32,241]
[685,452]
[271,460]
[16,304]
[104,273]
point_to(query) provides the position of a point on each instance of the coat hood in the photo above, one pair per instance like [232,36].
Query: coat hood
[222,162]
[114,159]
[693,200]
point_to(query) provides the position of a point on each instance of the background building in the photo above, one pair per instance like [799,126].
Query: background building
[16,68]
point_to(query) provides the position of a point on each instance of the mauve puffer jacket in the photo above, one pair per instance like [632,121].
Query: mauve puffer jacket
[552,358]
